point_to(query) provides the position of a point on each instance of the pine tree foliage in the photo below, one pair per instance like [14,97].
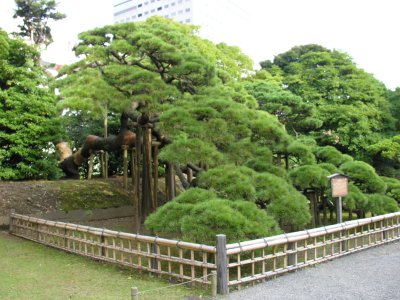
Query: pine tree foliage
[35,15]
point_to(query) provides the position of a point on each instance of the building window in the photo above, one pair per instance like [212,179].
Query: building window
[173,4]
[140,5]
[139,15]
[174,14]
[147,2]
[153,10]
[166,6]
[187,20]
[180,12]
[146,13]
[187,9]
[159,8]
[152,1]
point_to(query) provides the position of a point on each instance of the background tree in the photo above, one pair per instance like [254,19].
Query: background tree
[28,116]
[35,15]
[297,115]
[351,103]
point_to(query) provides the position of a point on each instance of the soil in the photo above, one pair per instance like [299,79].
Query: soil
[33,197]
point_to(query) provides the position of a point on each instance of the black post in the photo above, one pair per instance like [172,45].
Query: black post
[222,265]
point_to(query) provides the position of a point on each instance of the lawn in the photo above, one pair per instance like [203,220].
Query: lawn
[33,271]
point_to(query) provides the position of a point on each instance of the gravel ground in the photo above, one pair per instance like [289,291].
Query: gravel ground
[369,274]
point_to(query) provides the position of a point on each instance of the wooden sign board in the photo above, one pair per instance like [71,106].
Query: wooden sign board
[339,186]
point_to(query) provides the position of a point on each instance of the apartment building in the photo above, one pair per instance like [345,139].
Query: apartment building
[216,18]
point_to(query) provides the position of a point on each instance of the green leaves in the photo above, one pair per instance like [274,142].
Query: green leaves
[28,117]
[198,215]
[350,102]
[35,15]
[364,177]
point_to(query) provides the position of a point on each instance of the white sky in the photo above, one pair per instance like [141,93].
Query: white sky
[368,30]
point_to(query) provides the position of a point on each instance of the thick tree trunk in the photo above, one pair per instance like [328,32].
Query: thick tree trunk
[70,163]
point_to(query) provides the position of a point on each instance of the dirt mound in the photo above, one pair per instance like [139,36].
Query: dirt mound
[32,197]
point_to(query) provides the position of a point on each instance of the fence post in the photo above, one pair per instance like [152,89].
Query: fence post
[213,283]
[135,293]
[383,227]
[222,265]
[344,242]
[291,257]
[12,211]
[154,264]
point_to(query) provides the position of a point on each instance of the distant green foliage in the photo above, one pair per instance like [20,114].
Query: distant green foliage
[351,103]
[364,177]
[393,187]
[28,116]
[387,148]
[330,154]
[380,204]
[309,177]
[297,115]
[301,152]
[356,200]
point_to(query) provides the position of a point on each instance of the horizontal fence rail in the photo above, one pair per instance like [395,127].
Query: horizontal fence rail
[257,260]
[182,260]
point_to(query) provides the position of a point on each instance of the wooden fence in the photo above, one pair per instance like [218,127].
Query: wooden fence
[182,260]
[236,264]
[257,260]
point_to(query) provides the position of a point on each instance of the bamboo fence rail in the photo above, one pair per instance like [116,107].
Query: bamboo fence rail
[182,260]
[236,264]
[257,260]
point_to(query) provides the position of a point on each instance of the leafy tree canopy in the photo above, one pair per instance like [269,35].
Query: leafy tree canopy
[28,117]
[351,103]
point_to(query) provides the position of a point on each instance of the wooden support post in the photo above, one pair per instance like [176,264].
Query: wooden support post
[133,166]
[125,156]
[155,188]
[147,195]
[189,174]
[213,284]
[90,166]
[136,187]
[104,164]
[170,182]
[312,208]
[222,265]
[135,293]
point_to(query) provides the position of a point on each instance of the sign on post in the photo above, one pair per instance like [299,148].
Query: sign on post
[339,185]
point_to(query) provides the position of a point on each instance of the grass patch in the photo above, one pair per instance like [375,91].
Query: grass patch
[33,271]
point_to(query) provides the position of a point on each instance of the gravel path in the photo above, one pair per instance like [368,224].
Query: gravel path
[368,274]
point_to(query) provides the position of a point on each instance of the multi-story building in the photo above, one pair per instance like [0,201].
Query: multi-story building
[216,18]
